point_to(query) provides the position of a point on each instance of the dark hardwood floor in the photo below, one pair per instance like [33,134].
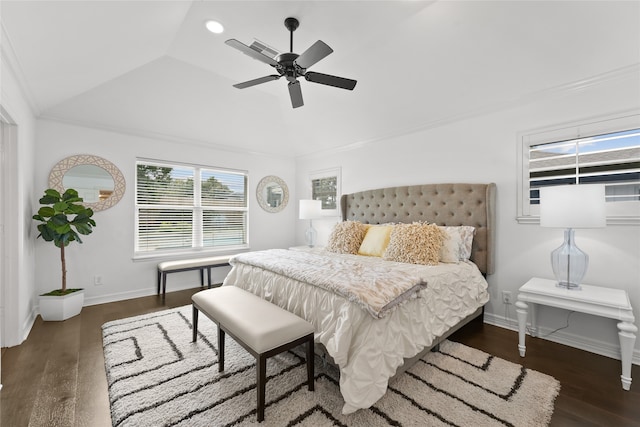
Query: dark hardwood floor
[591,393]
[57,378]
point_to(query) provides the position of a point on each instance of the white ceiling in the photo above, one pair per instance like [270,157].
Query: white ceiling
[151,68]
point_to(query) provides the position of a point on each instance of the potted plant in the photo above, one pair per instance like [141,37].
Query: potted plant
[62,220]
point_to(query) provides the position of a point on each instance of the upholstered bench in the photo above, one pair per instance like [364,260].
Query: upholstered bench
[262,328]
[201,264]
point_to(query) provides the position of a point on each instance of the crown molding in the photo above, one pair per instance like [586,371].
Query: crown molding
[632,70]
[10,58]
[159,136]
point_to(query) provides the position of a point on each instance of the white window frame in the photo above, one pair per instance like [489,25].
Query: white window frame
[623,213]
[197,234]
[328,173]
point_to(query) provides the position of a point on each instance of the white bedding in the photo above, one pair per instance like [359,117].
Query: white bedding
[376,287]
[368,350]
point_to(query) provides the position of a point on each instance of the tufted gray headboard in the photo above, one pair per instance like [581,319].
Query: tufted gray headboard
[443,204]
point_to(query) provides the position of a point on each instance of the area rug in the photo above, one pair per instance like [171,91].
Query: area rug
[158,377]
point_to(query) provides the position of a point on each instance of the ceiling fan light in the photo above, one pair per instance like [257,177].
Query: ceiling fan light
[214,26]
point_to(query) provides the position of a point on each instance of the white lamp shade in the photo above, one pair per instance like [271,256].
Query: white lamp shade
[573,206]
[310,209]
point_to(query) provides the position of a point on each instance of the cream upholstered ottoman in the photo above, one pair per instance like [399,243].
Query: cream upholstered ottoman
[201,264]
[262,328]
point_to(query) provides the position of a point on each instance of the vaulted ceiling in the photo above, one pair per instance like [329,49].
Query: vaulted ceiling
[151,68]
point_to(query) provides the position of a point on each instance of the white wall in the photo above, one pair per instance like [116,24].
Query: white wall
[18,278]
[108,251]
[484,149]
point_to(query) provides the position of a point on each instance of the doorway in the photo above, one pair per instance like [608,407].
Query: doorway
[3,125]
[9,311]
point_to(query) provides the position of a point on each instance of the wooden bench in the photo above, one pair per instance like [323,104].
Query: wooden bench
[201,264]
[262,328]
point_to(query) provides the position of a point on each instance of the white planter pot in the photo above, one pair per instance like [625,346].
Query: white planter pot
[61,308]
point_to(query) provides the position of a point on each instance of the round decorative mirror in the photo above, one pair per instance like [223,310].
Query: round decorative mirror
[98,181]
[272,194]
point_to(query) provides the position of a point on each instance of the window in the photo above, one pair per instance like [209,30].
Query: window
[182,208]
[603,152]
[325,186]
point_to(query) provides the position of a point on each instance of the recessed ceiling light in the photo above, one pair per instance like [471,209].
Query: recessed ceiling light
[215,27]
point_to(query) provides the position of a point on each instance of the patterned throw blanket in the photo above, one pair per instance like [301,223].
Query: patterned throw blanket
[376,287]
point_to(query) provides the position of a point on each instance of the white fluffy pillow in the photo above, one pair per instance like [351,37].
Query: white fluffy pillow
[457,243]
[346,237]
[417,243]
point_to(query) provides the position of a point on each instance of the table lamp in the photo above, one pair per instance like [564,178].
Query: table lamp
[310,209]
[569,207]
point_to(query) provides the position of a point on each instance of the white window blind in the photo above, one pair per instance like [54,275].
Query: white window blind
[325,186]
[612,159]
[601,152]
[325,190]
[182,208]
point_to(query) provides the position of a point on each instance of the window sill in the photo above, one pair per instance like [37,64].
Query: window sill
[174,256]
[611,220]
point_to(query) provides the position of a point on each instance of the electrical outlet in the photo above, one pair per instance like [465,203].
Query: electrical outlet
[97,280]
[506,297]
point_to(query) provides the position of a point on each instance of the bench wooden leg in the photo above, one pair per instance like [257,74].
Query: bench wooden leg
[310,364]
[209,277]
[159,278]
[202,277]
[220,349]
[195,324]
[164,284]
[261,379]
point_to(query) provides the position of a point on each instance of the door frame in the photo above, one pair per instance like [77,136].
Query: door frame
[10,330]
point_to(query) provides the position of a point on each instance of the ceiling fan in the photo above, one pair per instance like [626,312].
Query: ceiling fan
[291,66]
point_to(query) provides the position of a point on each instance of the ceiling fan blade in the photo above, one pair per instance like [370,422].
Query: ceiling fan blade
[315,53]
[326,79]
[251,52]
[296,94]
[254,82]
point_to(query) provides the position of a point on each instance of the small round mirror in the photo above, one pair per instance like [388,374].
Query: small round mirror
[98,181]
[272,194]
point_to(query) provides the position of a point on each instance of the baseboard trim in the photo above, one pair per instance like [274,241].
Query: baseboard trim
[120,296]
[577,341]
[28,324]
[115,297]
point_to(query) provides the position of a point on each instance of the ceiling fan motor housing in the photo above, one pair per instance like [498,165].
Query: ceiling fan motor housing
[287,67]
[291,65]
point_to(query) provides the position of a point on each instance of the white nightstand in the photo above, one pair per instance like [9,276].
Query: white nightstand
[307,248]
[596,300]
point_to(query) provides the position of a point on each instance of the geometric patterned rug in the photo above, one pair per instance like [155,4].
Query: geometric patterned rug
[158,377]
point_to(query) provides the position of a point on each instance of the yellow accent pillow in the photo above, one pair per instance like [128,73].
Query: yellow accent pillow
[376,240]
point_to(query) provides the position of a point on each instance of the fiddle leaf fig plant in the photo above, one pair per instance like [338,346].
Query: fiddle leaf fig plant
[62,221]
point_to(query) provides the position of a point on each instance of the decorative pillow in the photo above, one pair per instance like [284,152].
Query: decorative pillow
[346,237]
[376,240]
[416,243]
[457,243]
[450,250]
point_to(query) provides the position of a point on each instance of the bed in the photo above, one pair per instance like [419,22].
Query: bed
[370,346]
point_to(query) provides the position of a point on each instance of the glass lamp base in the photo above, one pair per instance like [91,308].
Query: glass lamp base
[569,286]
[310,236]
[569,263]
